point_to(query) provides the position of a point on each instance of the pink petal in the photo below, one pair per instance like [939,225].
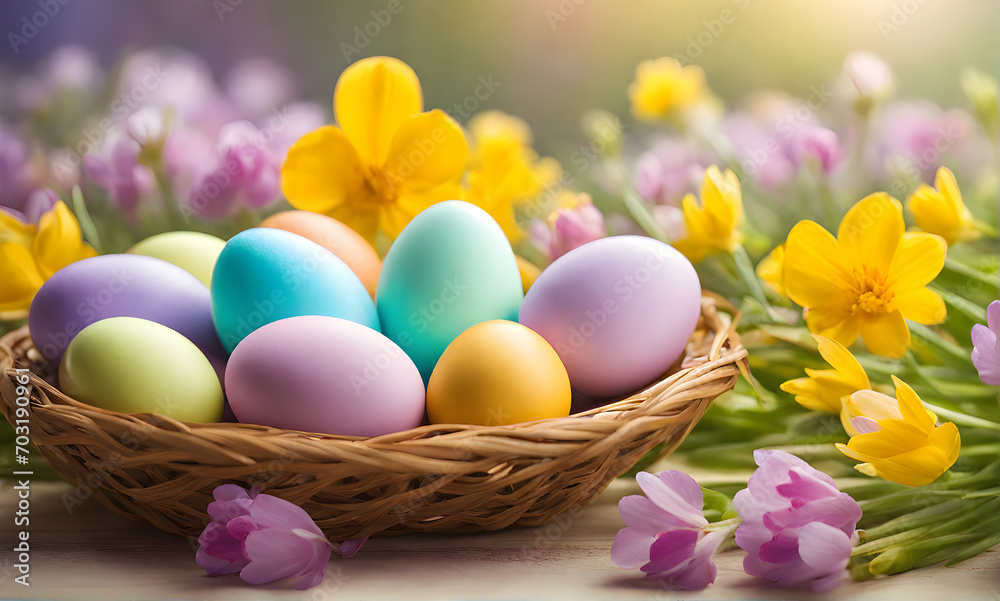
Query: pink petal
[349,547]
[804,488]
[630,548]
[824,547]
[993,316]
[223,511]
[215,566]
[986,354]
[642,514]
[230,492]
[783,548]
[685,486]
[240,527]
[670,501]
[671,550]
[219,552]
[278,554]
[269,511]
[864,425]
[697,576]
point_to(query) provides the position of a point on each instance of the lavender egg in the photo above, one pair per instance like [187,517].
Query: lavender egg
[122,286]
[618,311]
[324,374]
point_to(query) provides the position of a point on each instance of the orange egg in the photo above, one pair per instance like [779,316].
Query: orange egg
[336,237]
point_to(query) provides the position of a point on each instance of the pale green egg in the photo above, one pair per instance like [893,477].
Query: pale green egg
[133,365]
[193,252]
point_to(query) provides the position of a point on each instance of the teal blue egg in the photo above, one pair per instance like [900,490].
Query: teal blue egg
[450,268]
[266,274]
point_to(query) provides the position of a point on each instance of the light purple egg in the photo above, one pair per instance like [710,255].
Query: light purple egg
[324,374]
[122,286]
[618,311]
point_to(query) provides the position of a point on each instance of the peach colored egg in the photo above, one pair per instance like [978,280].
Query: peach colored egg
[336,237]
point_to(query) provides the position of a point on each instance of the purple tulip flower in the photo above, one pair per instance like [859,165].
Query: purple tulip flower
[798,528]
[986,346]
[265,539]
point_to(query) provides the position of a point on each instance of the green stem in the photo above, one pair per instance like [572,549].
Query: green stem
[637,209]
[746,273]
[956,268]
[86,223]
[962,419]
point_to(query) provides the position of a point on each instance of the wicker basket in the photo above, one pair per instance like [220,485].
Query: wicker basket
[432,478]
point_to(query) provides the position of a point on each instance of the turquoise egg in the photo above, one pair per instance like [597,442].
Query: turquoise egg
[265,274]
[450,268]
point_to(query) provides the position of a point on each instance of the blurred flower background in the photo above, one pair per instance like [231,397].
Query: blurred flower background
[792,150]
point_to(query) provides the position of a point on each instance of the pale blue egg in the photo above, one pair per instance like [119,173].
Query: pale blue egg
[265,274]
[450,268]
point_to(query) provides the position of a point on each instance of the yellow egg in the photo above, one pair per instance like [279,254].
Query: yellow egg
[498,373]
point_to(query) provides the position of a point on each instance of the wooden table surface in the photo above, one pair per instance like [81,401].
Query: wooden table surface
[96,554]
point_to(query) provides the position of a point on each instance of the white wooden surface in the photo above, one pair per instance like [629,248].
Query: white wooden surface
[95,554]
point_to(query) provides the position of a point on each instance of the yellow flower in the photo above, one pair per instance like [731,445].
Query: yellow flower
[663,87]
[386,162]
[824,390]
[713,225]
[872,405]
[770,269]
[869,280]
[905,448]
[504,171]
[30,255]
[940,210]
[529,272]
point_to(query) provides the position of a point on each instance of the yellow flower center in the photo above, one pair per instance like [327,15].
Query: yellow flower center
[873,295]
[383,186]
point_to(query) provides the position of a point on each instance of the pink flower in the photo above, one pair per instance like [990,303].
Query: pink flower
[670,170]
[986,346]
[818,144]
[570,226]
[797,526]
[665,532]
[870,75]
[245,173]
[265,539]
[116,169]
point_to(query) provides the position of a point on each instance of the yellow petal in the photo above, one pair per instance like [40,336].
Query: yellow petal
[946,183]
[821,391]
[841,359]
[919,260]
[771,269]
[21,280]
[15,231]
[835,321]
[911,408]
[870,404]
[374,96]
[895,437]
[59,241]
[323,171]
[922,305]
[529,272]
[814,270]
[871,231]
[428,150]
[395,216]
[886,334]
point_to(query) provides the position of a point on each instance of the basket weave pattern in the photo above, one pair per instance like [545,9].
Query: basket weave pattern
[432,478]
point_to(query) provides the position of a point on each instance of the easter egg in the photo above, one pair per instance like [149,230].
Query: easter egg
[265,274]
[121,286]
[337,238]
[619,311]
[138,366]
[324,374]
[194,252]
[450,268]
[498,373]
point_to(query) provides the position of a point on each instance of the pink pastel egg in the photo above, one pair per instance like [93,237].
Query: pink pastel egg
[324,374]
